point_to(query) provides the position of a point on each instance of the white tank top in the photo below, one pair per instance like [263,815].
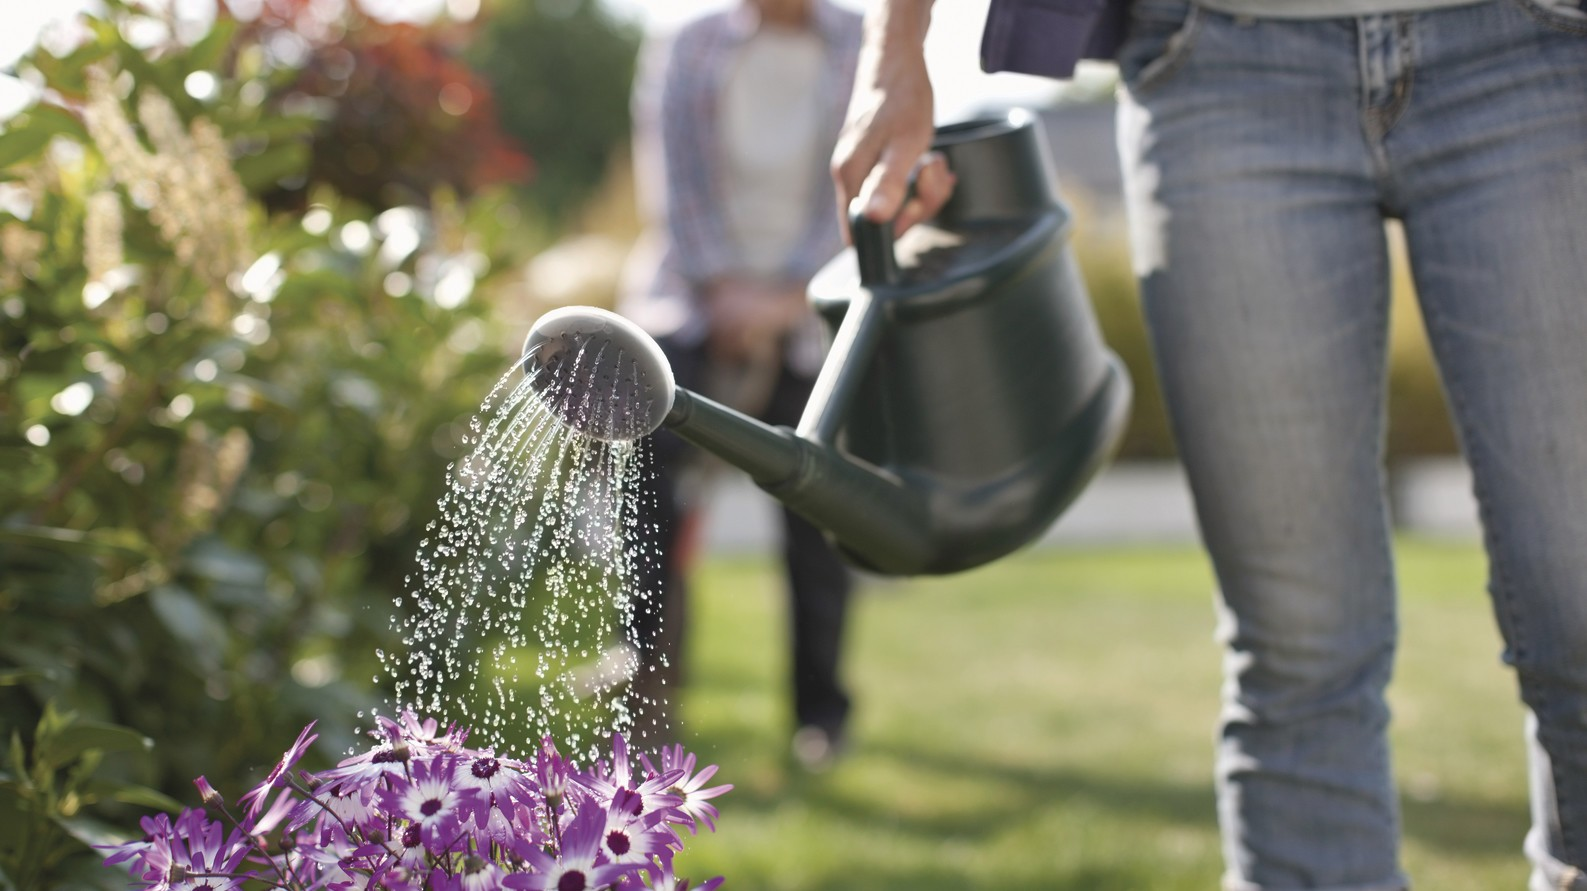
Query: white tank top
[772,144]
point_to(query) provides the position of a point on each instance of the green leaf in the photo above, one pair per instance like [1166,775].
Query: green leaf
[129,793]
[22,143]
[149,74]
[17,756]
[146,797]
[210,51]
[17,677]
[69,743]
[192,622]
[66,73]
[261,171]
[58,121]
[212,559]
[91,832]
[282,129]
[122,543]
[5,881]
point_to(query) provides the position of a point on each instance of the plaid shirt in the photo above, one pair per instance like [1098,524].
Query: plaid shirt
[677,147]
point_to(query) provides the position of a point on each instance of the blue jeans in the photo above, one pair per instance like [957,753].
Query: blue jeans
[1261,159]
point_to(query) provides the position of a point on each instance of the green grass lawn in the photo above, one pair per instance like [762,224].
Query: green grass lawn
[1047,723]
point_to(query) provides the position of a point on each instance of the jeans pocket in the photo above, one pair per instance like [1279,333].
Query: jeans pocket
[1569,16]
[1159,37]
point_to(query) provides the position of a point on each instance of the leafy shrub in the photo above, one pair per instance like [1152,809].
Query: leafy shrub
[563,69]
[222,430]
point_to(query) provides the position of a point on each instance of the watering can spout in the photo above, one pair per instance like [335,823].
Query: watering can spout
[875,519]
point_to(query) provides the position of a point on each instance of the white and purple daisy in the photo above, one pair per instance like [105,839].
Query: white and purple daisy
[430,801]
[423,813]
[580,865]
[617,786]
[193,852]
[632,840]
[496,783]
[693,810]
[367,773]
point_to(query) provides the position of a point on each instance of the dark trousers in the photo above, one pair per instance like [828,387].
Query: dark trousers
[819,583]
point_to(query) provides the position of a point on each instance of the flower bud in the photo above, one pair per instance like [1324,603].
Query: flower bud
[207,793]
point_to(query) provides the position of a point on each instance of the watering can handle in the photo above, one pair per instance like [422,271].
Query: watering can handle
[873,247]
[849,358]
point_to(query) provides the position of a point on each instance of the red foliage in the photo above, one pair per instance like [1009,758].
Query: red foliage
[401,113]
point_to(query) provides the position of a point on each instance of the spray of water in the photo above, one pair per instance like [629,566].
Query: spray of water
[513,623]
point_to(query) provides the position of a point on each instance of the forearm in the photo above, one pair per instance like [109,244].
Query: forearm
[898,24]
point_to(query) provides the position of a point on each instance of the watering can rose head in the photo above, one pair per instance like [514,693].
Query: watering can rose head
[598,373]
[421,810]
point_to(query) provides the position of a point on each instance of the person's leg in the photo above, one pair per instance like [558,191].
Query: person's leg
[819,585]
[1490,161]
[1260,246]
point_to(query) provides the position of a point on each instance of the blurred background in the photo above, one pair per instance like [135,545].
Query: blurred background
[260,261]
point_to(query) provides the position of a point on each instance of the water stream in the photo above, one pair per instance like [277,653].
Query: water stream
[513,618]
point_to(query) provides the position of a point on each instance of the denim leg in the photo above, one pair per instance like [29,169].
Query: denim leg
[1491,161]
[1259,240]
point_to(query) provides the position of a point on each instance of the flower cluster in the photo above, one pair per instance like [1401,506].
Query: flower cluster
[192,191]
[422,811]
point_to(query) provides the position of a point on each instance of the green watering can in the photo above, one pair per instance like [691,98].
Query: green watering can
[967,398]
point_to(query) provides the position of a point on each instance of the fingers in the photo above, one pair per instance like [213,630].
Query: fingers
[933,186]
[883,192]
[889,127]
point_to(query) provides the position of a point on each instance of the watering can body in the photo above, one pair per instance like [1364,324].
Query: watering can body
[967,363]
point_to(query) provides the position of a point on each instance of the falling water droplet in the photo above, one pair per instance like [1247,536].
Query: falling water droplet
[525,581]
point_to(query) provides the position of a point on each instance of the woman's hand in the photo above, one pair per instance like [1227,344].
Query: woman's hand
[887,136]
[749,317]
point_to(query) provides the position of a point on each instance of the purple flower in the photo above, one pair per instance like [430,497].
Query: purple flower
[580,866]
[430,801]
[427,730]
[551,772]
[286,808]
[662,878]
[618,788]
[634,840]
[173,855]
[421,812]
[207,793]
[693,809]
[257,794]
[477,874]
[495,782]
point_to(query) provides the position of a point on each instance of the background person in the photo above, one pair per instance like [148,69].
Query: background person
[1264,143]
[735,119]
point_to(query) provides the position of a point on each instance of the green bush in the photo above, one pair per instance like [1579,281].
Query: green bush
[562,70]
[224,434]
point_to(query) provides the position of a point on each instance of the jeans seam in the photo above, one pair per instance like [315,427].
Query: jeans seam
[1499,587]
[1548,19]
[1174,53]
